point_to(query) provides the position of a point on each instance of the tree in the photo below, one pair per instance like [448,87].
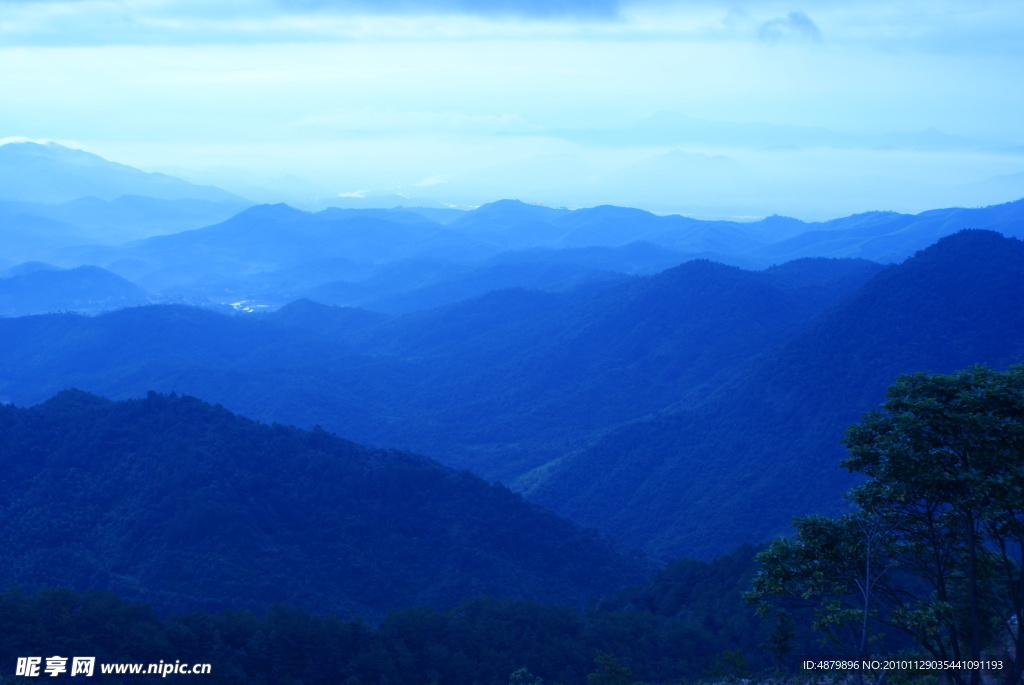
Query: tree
[730,664]
[838,567]
[609,671]
[523,677]
[935,543]
[780,640]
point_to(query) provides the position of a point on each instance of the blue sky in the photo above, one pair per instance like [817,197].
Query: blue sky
[465,102]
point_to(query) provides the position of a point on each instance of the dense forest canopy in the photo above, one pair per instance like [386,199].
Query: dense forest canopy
[182,504]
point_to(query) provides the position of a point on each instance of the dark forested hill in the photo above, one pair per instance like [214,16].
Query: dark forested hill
[689,619]
[182,504]
[624,352]
[765,445]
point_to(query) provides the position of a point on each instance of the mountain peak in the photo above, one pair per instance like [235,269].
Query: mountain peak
[53,173]
[279,210]
[52,151]
[970,243]
[507,203]
[517,207]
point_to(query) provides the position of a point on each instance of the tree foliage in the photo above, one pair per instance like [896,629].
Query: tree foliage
[934,545]
[482,640]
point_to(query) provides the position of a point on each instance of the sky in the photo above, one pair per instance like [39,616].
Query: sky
[706,108]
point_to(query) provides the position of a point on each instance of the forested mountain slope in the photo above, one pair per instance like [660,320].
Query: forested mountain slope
[686,411]
[498,384]
[765,445]
[689,618]
[182,504]
[268,372]
[541,385]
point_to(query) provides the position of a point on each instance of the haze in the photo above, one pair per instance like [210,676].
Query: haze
[709,109]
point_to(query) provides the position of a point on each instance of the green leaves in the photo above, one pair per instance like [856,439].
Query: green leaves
[934,546]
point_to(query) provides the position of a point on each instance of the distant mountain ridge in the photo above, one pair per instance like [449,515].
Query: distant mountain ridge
[52,173]
[117,221]
[37,288]
[72,208]
[891,237]
[397,261]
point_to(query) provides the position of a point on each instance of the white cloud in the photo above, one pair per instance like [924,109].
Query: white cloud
[794,26]
[23,139]
[380,100]
[432,181]
[543,9]
[366,119]
[938,25]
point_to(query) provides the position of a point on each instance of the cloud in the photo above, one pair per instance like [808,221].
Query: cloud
[435,180]
[534,9]
[23,139]
[935,26]
[367,120]
[796,26]
[168,22]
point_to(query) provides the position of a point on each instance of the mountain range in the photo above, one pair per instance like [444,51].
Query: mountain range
[52,173]
[400,260]
[684,412]
[191,244]
[655,377]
